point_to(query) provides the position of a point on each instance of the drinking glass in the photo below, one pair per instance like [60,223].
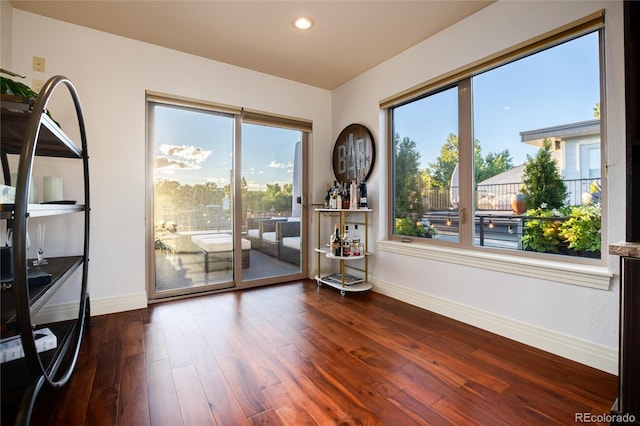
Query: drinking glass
[41,260]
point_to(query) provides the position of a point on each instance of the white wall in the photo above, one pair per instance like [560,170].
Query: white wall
[6,16]
[111,75]
[574,321]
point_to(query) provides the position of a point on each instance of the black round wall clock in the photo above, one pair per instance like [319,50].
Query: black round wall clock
[354,154]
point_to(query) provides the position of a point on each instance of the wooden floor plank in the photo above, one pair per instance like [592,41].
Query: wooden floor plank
[245,382]
[155,347]
[133,400]
[288,411]
[163,400]
[296,354]
[421,412]
[103,405]
[194,405]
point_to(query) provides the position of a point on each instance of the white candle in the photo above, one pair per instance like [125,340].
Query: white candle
[52,189]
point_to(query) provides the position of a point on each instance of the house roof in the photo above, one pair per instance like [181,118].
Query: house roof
[563,132]
[513,175]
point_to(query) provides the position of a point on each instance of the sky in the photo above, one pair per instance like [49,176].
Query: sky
[195,148]
[555,87]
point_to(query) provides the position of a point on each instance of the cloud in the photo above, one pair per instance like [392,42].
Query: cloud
[276,165]
[166,163]
[180,158]
[192,153]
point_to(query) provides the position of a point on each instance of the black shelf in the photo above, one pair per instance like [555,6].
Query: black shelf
[28,131]
[60,269]
[52,141]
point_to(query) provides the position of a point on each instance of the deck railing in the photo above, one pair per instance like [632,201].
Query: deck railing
[497,197]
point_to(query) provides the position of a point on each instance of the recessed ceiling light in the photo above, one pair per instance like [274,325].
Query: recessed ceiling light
[303,23]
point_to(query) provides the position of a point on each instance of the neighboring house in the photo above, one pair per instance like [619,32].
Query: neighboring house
[576,148]
[495,193]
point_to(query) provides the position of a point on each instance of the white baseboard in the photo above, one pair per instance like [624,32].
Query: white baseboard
[118,304]
[67,311]
[591,354]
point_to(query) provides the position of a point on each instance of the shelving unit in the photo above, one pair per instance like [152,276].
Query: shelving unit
[28,132]
[344,281]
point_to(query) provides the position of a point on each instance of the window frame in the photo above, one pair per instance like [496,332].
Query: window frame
[556,267]
[240,116]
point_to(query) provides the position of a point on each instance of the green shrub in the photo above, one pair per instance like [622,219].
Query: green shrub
[542,232]
[570,230]
[542,183]
[412,228]
[582,229]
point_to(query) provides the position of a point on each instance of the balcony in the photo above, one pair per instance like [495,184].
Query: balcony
[573,231]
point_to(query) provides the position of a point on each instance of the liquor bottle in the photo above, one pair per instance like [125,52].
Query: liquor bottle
[346,198]
[353,195]
[338,197]
[346,242]
[333,197]
[355,242]
[336,242]
[363,195]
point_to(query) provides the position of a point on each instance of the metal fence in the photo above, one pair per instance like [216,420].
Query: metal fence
[496,225]
[497,197]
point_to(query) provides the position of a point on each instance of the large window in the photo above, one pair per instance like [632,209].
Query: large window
[506,154]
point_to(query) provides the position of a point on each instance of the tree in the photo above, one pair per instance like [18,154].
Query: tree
[408,196]
[542,183]
[276,197]
[484,168]
[442,169]
[493,164]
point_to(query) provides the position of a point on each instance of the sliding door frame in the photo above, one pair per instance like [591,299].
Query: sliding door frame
[240,116]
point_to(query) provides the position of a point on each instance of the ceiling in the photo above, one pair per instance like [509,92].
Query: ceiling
[348,38]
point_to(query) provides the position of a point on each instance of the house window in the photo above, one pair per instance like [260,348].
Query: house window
[425,145]
[506,154]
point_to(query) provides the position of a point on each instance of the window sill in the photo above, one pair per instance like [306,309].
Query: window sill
[570,273]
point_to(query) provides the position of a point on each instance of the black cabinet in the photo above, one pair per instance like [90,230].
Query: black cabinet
[629,388]
[29,133]
[626,409]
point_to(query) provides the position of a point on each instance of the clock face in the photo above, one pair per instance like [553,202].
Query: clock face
[354,154]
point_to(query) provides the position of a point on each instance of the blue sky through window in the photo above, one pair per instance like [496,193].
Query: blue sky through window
[196,147]
[554,87]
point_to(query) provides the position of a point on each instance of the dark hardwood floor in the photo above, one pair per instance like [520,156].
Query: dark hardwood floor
[294,354]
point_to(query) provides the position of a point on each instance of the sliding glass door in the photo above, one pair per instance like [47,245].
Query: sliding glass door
[225,200]
[271,199]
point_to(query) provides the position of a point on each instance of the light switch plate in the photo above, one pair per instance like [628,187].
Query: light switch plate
[39,64]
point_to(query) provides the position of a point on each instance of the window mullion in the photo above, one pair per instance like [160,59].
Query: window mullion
[465,157]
